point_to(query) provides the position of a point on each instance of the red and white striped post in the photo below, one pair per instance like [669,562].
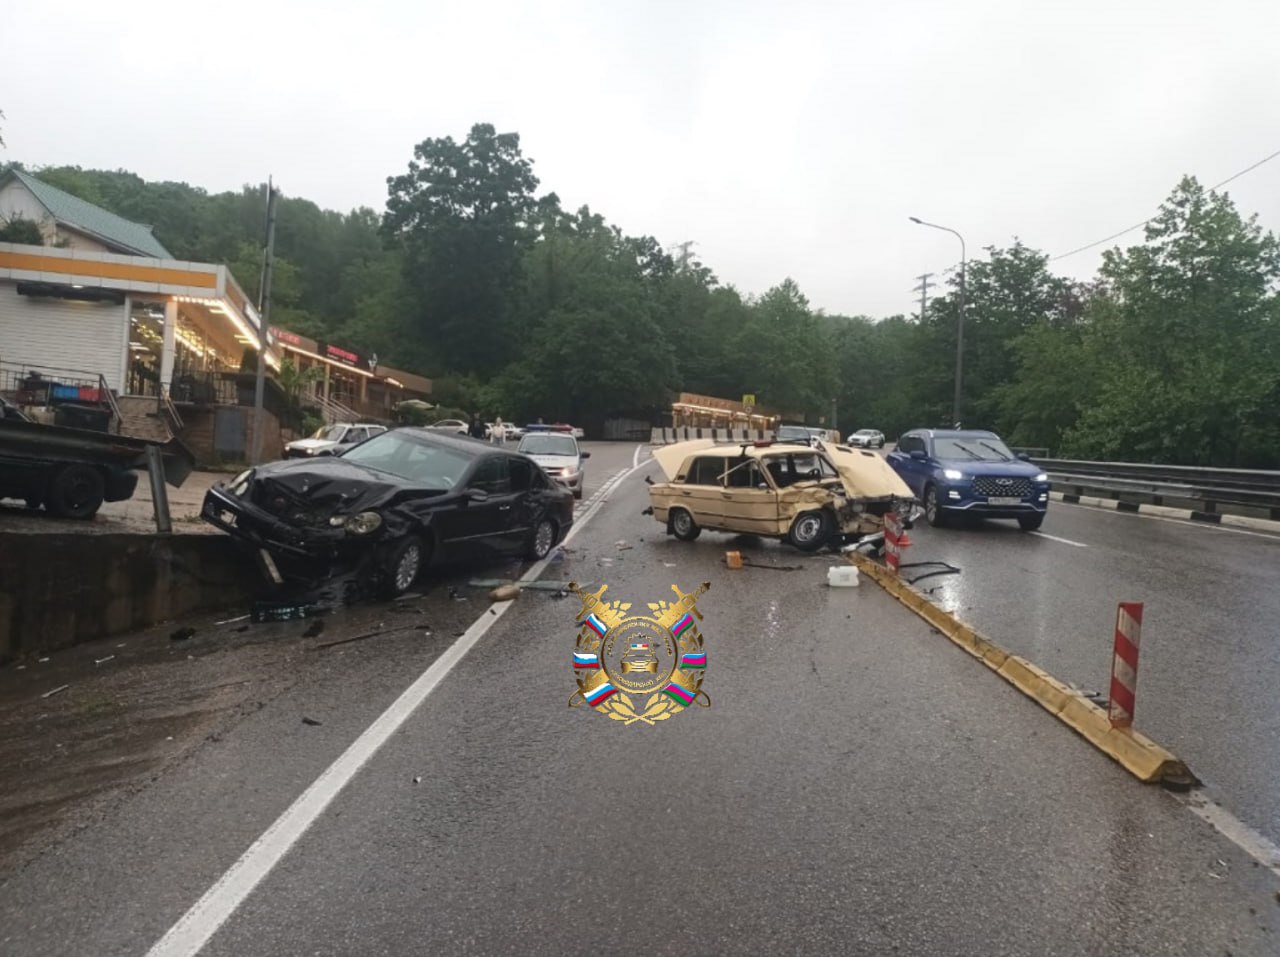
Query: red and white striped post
[1124,664]
[895,540]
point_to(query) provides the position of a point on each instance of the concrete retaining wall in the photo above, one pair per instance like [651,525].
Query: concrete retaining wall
[60,590]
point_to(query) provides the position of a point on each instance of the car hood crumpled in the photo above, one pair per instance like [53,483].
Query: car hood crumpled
[866,475]
[329,483]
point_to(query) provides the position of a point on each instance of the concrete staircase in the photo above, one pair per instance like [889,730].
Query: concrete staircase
[141,418]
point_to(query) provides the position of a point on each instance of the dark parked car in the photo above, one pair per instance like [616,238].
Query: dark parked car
[973,473]
[393,505]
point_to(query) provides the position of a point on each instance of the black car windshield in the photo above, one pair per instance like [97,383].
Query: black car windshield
[411,458]
[543,444]
[986,450]
[330,433]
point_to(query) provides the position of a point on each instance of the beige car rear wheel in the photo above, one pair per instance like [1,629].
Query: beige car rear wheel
[683,526]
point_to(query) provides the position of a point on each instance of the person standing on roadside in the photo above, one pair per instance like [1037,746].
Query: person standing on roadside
[498,435]
[477,427]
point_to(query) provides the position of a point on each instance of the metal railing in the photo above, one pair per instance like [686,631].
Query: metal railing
[170,411]
[1207,490]
[31,384]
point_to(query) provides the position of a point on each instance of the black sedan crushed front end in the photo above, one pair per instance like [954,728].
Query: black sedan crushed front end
[396,504]
[312,518]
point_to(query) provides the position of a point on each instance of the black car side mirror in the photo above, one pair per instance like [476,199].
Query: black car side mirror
[477,495]
[585,455]
[1024,456]
[918,455]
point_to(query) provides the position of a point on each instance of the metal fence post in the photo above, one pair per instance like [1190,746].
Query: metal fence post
[159,493]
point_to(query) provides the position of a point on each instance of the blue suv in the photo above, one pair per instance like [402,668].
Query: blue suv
[970,472]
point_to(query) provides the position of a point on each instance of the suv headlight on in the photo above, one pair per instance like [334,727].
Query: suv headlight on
[362,523]
[1042,477]
[954,474]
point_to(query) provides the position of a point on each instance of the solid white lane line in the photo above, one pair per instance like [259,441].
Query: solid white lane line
[194,929]
[1236,831]
[635,459]
[1055,538]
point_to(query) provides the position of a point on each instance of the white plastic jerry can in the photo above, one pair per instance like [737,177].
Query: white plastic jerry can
[842,576]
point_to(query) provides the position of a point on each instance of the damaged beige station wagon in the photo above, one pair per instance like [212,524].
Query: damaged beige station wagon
[810,497]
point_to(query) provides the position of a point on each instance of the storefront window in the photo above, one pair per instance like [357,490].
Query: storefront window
[146,342]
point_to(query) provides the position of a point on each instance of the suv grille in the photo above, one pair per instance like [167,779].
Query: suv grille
[990,485]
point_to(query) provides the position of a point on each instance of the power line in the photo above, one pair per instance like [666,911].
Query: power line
[1233,176]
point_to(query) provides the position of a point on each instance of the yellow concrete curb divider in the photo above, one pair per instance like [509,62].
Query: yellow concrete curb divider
[1135,752]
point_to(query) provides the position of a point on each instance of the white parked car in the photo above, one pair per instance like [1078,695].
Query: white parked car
[332,439]
[867,439]
[451,425]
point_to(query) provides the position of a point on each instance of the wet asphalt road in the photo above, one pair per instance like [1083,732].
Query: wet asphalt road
[858,786]
[1209,669]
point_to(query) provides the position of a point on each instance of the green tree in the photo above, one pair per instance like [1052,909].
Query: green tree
[21,230]
[463,213]
[1188,350]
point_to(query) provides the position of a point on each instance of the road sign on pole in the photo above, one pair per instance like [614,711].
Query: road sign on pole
[748,400]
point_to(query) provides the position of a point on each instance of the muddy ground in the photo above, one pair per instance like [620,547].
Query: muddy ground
[84,727]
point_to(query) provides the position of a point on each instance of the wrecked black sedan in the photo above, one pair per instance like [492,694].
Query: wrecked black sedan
[392,506]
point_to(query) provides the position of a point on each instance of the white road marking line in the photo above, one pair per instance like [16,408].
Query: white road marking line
[1236,831]
[1184,522]
[194,929]
[1055,538]
[635,459]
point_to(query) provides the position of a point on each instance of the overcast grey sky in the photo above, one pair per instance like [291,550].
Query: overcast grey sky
[783,138]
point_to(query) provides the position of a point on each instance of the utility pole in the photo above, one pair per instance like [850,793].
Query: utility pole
[264,312]
[923,289]
[684,253]
[964,256]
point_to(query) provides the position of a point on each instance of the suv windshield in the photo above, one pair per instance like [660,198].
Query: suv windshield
[544,444]
[409,457]
[330,433]
[986,450]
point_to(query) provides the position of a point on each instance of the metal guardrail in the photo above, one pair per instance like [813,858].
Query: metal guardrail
[1207,490]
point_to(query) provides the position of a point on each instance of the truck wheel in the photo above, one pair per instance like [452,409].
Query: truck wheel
[683,526]
[76,492]
[810,530]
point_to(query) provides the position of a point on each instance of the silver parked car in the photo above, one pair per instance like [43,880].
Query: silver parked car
[559,456]
[333,439]
[867,439]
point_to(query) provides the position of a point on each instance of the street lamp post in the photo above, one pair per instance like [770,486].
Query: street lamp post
[955,408]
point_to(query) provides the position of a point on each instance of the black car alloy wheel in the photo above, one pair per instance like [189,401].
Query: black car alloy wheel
[403,564]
